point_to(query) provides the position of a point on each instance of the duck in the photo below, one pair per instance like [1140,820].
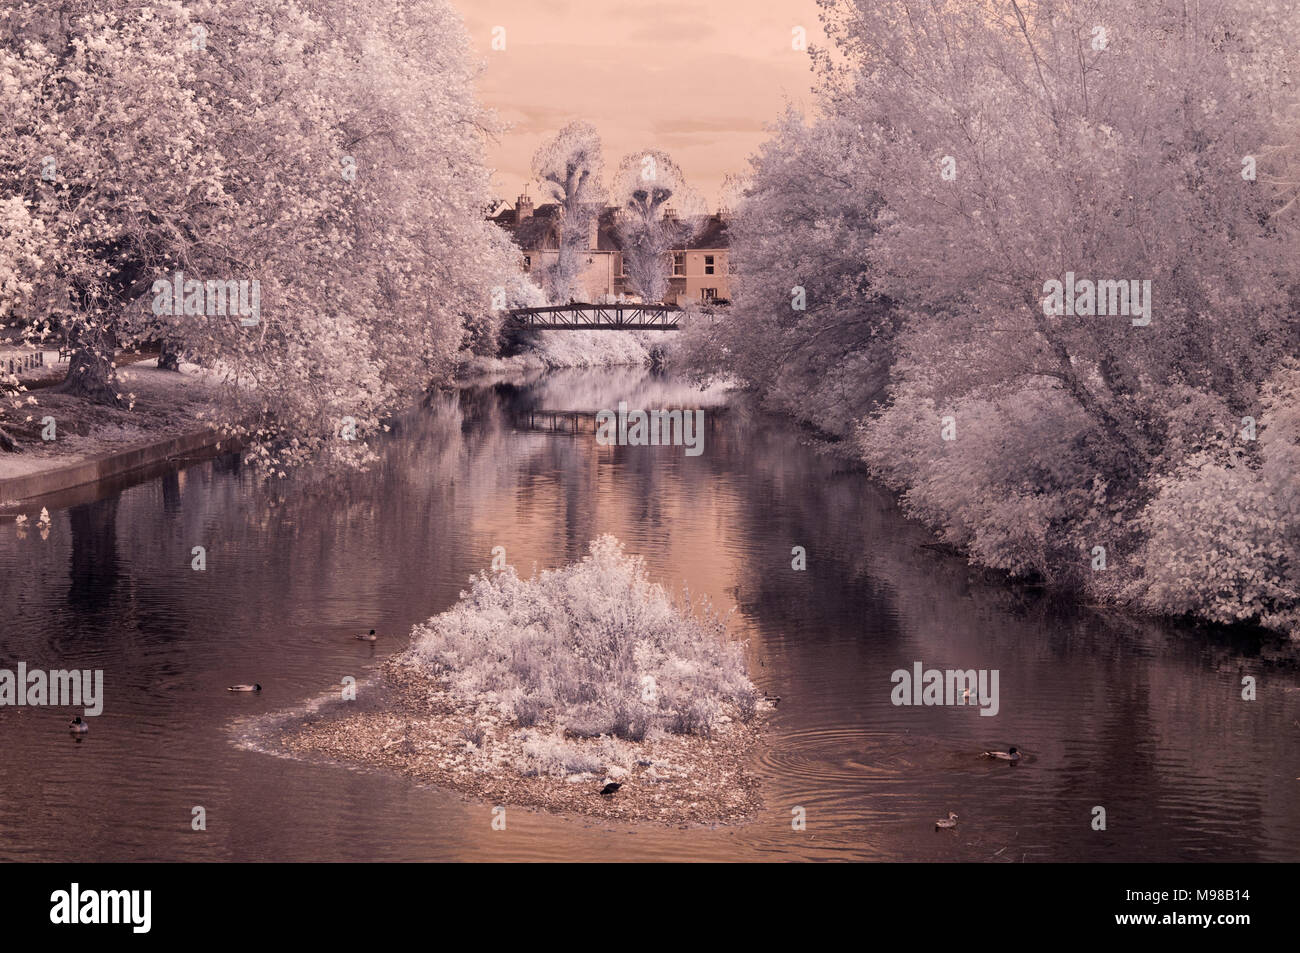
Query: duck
[946,824]
[245,688]
[370,637]
[77,726]
[1010,755]
[610,788]
[45,517]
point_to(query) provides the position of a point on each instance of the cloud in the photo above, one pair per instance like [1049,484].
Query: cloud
[697,79]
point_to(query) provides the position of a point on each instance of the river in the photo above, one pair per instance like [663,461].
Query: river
[1141,718]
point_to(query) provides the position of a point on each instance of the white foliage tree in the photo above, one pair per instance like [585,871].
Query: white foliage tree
[329,149]
[569,168]
[646,186]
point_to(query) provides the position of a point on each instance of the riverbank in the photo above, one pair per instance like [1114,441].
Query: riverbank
[164,417]
[67,441]
[551,350]
[165,411]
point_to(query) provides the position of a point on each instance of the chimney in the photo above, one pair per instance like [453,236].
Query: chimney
[593,230]
[523,208]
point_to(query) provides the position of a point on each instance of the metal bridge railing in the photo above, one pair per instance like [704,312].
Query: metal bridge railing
[595,317]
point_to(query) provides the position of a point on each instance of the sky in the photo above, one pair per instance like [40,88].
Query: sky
[698,80]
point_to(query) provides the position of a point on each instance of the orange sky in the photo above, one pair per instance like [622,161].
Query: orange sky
[698,80]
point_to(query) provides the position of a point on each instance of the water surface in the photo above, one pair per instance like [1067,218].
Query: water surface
[1143,719]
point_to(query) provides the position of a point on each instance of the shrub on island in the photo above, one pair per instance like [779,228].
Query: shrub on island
[594,648]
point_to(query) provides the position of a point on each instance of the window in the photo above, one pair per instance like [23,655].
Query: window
[528,263]
[708,264]
[679,264]
[708,294]
[622,266]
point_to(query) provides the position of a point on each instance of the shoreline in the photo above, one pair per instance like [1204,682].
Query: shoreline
[48,476]
[164,415]
[842,448]
[34,487]
[397,725]
[81,481]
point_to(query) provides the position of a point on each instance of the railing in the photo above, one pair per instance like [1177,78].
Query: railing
[600,317]
[23,362]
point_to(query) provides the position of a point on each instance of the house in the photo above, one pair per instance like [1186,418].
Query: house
[701,271]
[697,272]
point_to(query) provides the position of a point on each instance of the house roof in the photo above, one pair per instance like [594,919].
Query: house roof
[713,234]
[534,232]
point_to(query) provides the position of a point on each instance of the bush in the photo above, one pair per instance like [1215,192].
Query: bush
[552,755]
[1011,489]
[593,648]
[1224,529]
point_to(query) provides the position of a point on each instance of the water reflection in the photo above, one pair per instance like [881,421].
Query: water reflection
[1143,719]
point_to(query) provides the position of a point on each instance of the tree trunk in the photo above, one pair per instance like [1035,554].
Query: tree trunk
[1127,436]
[8,444]
[168,359]
[92,376]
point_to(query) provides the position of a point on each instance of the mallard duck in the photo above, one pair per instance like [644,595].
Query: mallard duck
[45,517]
[369,637]
[1011,755]
[77,726]
[245,688]
[947,823]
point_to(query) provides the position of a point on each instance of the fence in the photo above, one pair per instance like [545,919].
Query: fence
[24,362]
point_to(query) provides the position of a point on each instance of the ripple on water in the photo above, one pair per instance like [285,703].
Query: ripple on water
[836,757]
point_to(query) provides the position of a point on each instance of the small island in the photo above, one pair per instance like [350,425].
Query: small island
[542,692]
